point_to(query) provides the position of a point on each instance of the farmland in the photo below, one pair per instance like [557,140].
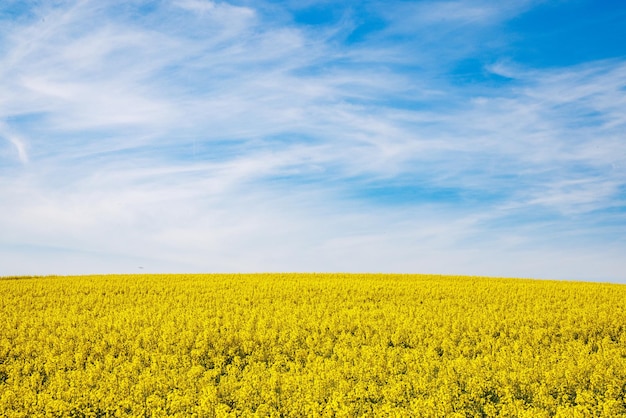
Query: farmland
[310,345]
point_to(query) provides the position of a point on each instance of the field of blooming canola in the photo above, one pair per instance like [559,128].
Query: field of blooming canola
[310,345]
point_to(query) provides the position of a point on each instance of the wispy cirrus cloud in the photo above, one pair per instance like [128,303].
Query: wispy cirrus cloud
[209,136]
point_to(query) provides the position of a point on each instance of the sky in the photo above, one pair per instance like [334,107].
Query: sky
[466,137]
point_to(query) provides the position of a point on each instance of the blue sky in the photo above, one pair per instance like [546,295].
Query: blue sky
[453,137]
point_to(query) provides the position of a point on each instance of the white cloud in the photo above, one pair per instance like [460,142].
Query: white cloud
[218,11]
[16,141]
[445,18]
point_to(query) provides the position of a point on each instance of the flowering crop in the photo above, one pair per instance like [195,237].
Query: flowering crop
[310,345]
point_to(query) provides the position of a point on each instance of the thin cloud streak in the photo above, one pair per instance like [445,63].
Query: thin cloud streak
[17,142]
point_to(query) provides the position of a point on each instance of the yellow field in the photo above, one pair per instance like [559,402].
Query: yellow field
[310,345]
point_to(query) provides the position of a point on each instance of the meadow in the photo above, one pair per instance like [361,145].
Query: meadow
[335,345]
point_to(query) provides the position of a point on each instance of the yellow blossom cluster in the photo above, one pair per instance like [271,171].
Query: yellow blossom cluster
[335,345]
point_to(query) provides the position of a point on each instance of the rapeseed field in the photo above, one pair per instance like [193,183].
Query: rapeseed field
[335,345]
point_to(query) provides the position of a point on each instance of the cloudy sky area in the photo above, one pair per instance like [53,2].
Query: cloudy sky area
[455,137]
